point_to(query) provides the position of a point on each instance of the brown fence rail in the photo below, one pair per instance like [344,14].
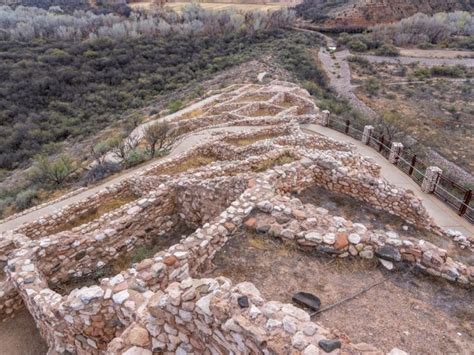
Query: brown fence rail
[454,195]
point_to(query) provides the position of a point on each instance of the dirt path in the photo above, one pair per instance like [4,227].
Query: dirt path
[435,53]
[429,62]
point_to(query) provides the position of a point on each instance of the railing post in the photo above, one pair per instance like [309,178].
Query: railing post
[348,123]
[431,179]
[467,200]
[325,118]
[382,138]
[395,152]
[412,165]
[367,135]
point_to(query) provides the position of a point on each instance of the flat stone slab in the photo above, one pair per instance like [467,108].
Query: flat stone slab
[329,345]
[389,253]
[308,300]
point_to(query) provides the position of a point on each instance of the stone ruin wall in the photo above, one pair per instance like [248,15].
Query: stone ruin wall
[45,226]
[208,316]
[160,304]
[179,262]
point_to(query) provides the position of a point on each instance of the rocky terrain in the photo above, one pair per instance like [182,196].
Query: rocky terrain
[133,293]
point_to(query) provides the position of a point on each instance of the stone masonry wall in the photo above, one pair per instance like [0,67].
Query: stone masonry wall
[213,316]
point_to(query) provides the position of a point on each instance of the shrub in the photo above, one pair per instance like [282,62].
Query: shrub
[450,71]
[372,86]
[99,172]
[54,171]
[135,157]
[357,45]
[175,105]
[387,50]
[422,73]
[25,199]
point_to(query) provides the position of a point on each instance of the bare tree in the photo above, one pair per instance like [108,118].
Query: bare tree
[100,150]
[122,145]
[159,136]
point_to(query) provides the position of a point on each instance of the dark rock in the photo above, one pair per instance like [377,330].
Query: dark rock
[388,252]
[263,229]
[328,250]
[243,302]
[80,255]
[329,345]
[307,299]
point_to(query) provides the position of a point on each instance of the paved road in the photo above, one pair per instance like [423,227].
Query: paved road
[444,216]
[185,145]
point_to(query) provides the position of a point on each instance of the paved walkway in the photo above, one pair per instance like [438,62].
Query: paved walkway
[444,216]
[185,145]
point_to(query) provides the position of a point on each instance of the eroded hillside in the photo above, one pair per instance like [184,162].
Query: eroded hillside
[363,13]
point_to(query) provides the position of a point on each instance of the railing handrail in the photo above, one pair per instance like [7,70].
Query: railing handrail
[463,206]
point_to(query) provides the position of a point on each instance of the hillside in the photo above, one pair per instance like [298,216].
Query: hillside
[363,13]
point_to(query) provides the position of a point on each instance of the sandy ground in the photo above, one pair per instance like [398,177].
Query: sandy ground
[19,336]
[435,53]
[414,313]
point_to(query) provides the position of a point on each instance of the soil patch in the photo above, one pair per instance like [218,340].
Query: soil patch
[19,336]
[192,162]
[264,111]
[413,312]
[138,254]
[254,98]
[251,140]
[358,211]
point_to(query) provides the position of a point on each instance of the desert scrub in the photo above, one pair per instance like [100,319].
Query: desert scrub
[372,86]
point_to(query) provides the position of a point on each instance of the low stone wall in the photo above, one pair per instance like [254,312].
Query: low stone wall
[68,215]
[315,228]
[213,316]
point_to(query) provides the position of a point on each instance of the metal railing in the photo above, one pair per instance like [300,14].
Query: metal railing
[451,193]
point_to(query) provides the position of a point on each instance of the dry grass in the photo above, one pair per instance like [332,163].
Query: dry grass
[264,111]
[254,98]
[95,213]
[192,114]
[250,140]
[270,163]
[286,104]
[192,162]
